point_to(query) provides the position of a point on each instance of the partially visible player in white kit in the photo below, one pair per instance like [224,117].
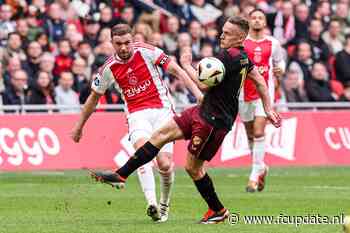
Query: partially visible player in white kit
[267,55]
[134,69]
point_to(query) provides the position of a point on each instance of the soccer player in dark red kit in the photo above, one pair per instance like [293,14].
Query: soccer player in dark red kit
[205,125]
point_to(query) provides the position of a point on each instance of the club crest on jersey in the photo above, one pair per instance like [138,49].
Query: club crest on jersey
[196,140]
[132,79]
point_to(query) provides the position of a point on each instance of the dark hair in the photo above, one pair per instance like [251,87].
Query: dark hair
[120,29]
[83,42]
[347,36]
[241,22]
[256,10]
[13,33]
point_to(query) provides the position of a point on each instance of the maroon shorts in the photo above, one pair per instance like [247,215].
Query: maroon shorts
[205,139]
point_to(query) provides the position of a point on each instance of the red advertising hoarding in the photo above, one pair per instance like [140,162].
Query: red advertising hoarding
[42,142]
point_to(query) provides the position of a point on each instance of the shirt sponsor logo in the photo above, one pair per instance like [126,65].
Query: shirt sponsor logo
[130,92]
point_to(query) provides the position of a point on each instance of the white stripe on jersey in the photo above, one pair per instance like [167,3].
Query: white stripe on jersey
[157,79]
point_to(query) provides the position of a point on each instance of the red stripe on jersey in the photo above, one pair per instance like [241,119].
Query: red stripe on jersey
[259,52]
[137,85]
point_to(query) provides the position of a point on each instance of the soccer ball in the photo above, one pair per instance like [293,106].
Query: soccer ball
[211,71]
[346,225]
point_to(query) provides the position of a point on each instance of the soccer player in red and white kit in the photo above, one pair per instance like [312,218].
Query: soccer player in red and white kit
[135,70]
[266,54]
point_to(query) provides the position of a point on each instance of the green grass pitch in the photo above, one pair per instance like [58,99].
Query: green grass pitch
[70,202]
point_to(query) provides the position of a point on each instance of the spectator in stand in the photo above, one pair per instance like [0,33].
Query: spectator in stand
[212,38]
[79,74]
[144,29]
[13,48]
[43,40]
[65,95]
[54,26]
[6,24]
[205,12]
[63,60]
[196,32]
[43,91]
[17,92]
[106,19]
[303,62]
[333,38]
[206,51]
[342,14]
[182,9]
[128,15]
[323,12]
[183,40]
[14,64]
[34,53]
[23,29]
[319,48]
[104,35]
[293,87]
[91,29]
[170,38]
[85,52]
[282,23]
[156,40]
[302,20]
[342,64]
[318,88]
[47,63]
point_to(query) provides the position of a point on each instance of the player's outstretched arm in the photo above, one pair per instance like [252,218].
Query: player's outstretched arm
[264,94]
[178,72]
[88,109]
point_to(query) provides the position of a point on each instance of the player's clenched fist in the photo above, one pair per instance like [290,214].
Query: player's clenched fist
[274,118]
[76,134]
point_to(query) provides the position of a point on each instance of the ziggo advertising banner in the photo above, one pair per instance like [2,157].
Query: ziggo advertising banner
[42,142]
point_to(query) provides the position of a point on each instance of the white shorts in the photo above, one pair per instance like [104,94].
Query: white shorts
[249,110]
[143,123]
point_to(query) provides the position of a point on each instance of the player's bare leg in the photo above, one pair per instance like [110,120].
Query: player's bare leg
[259,169]
[147,182]
[146,153]
[167,175]
[216,212]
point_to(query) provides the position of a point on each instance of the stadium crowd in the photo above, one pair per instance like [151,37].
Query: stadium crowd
[50,50]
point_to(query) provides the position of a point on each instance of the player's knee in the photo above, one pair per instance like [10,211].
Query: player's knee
[165,165]
[259,134]
[161,137]
[195,174]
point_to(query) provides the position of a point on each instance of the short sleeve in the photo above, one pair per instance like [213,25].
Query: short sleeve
[102,80]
